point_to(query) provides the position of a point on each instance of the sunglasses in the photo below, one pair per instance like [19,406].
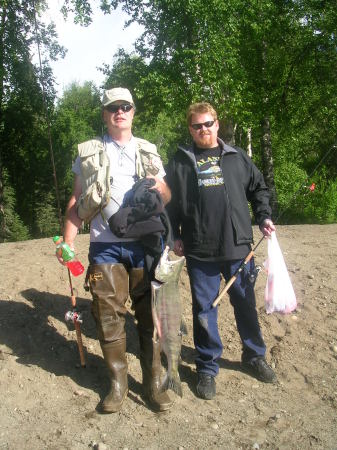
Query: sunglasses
[198,126]
[114,108]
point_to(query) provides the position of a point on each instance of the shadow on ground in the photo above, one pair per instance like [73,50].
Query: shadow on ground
[28,330]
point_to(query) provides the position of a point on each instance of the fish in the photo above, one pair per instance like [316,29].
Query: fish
[169,325]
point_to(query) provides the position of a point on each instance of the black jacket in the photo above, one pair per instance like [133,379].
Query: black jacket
[243,183]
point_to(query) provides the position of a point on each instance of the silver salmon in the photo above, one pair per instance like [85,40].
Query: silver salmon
[167,316]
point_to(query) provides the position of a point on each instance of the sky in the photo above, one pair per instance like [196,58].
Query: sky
[89,47]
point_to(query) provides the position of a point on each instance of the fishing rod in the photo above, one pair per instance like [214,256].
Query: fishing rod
[75,317]
[251,253]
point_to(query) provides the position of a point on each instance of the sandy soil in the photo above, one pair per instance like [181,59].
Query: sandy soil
[49,402]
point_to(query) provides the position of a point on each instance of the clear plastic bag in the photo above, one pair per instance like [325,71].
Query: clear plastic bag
[279,292]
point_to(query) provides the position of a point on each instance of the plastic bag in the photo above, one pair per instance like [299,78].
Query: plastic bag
[279,293]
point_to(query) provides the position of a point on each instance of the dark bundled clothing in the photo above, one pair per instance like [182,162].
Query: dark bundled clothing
[143,216]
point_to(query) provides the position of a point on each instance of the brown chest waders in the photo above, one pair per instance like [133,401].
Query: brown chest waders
[110,285]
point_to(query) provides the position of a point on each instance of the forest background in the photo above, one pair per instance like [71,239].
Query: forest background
[268,67]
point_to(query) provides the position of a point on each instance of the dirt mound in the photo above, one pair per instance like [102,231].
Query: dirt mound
[49,402]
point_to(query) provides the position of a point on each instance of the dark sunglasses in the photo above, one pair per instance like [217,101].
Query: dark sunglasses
[198,126]
[114,108]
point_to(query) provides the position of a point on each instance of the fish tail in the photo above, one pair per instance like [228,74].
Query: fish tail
[172,382]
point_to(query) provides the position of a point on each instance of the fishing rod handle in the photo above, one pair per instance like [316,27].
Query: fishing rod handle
[246,260]
[234,277]
[73,301]
[223,292]
[80,343]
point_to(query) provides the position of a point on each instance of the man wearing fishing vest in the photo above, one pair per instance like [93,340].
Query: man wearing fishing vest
[211,184]
[105,170]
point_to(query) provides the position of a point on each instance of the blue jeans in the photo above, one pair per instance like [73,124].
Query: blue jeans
[131,254]
[205,283]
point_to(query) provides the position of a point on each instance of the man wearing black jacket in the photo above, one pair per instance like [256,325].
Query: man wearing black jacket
[211,184]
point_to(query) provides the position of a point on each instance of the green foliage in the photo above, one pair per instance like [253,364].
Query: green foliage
[164,132]
[46,217]
[24,157]
[77,118]
[25,152]
[290,180]
[82,11]
[12,226]
[318,206]
[300,204]
[325,201]
[253,61]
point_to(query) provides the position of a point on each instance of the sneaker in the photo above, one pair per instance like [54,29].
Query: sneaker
[206,386]
[259,368]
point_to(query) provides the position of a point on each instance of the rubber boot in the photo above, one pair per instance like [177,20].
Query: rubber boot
[115,359]
[109,289]
[140,293]
[150,362]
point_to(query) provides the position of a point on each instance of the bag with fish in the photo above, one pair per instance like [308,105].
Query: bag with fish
[167,316]
[279,292]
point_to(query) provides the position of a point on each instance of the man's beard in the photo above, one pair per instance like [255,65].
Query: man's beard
[205,137]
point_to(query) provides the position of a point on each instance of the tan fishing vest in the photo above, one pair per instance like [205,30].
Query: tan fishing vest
[95,173]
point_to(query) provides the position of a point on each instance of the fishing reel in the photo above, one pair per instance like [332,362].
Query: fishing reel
[73,316]
[253,273]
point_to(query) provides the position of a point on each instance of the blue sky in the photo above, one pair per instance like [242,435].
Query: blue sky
[89,47]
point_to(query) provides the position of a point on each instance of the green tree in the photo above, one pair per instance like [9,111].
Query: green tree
[77,118]
[268,66]
[13,228]
[24,154]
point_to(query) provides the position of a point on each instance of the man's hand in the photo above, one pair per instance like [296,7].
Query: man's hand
[267,227]
[178,247]
[72,222]
[59,254]
[162,188]
[60,259]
